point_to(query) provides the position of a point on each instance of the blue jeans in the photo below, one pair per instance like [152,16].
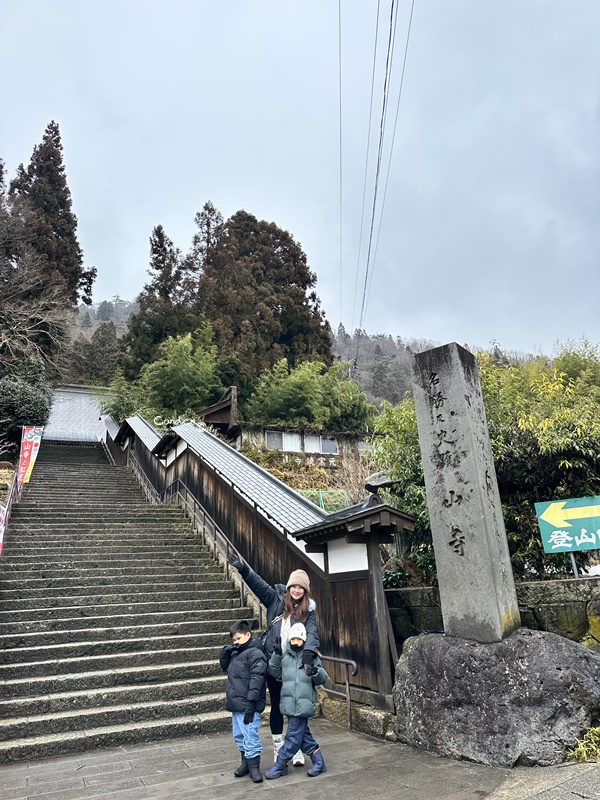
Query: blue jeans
[297,737]
[246,736]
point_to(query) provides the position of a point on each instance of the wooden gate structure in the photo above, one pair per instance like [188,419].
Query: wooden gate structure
[276,530]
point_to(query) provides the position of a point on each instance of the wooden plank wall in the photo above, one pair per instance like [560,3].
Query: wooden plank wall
[345,608]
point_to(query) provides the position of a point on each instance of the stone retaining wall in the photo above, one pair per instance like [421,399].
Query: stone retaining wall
[570,608]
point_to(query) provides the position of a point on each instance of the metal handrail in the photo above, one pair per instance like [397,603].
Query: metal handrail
[206,525]
[220,540]
[347,662]
[179,494]
[107,453]
[151,494]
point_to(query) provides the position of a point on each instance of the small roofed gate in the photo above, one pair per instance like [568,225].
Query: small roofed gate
[276,530]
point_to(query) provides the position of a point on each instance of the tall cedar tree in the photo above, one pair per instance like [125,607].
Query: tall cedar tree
[206,240]
[258,292]
[43,185]
[33,308]
[163,311]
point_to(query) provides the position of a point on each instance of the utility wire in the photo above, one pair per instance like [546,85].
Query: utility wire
[364,197]
[393,13]
[341,160]
[406,45]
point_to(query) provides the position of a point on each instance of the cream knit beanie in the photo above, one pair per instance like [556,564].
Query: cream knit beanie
[299,578]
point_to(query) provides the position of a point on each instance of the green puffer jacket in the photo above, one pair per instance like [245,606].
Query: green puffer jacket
[298,696]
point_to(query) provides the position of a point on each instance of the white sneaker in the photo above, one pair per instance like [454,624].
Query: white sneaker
[298,759]
[277,745]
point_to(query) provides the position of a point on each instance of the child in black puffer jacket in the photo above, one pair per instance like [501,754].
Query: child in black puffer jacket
[245,663]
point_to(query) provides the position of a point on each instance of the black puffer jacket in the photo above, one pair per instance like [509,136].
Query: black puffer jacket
[272,598]
[246,669]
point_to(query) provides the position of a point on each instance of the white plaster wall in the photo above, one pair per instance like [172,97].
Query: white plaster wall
[344,557]
[316,558]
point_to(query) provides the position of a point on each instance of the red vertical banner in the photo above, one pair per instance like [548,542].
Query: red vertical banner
[2,524]
[30,443]
[35,437]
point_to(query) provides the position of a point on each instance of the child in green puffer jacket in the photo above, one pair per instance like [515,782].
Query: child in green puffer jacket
[298,702]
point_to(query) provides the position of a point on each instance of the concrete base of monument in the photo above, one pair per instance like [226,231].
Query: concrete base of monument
[523,701]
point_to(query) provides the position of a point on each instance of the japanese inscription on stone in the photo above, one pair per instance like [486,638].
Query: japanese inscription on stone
[476,584]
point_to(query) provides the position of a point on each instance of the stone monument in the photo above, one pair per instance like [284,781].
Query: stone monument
[485,690]
[477,590]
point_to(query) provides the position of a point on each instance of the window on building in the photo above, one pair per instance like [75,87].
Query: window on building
[364,447]
[292,442]
[329,446]
[280,440]
[312,443]
[274,440]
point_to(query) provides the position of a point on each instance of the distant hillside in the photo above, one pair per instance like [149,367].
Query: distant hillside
[380,362]
[117,310]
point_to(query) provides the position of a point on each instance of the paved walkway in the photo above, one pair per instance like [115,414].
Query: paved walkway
[358,767]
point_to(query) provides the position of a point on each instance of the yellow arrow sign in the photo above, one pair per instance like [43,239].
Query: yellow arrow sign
[557,515]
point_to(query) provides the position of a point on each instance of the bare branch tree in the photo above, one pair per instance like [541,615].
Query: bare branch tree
[34,314]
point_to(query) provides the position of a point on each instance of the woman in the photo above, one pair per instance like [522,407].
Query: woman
[286,605]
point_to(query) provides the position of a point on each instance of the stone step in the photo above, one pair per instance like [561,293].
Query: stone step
[32,635]
[49,530]
[104,567]
[102,514]
[107,538]
[95,679]
[35,612]
[119,660]
[107,544]
[67,505]
[95,647]
[51,595]
[45,482]
[34,588]
[201,569]
[83,719]
[79,741]
[98,548]
[112,614]
[60,702]
[89,484]
[200,620]
[67,495]
[84,605]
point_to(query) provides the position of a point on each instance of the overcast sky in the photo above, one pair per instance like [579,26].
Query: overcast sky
[490,229]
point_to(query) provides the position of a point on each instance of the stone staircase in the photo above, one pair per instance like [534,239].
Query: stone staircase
[112,614]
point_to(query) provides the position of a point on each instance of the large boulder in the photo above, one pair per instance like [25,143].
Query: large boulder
[522,701]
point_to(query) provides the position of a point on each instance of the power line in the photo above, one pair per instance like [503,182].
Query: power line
[341,160]
[406,44]
[364,197]
[388,61]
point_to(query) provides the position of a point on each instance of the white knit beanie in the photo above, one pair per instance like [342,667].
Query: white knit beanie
[297,631]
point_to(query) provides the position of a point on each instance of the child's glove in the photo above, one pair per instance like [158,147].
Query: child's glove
[277,647]
[308,662]
[249,714]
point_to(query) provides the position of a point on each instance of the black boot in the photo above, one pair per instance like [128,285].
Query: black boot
[254,769]
[243,768]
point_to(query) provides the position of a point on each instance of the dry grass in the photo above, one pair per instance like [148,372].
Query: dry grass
[588,748]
